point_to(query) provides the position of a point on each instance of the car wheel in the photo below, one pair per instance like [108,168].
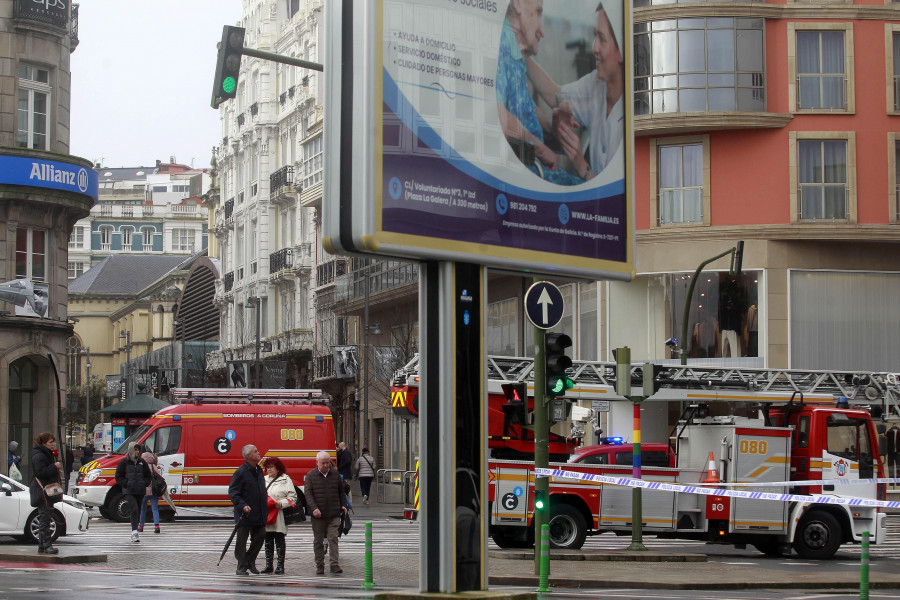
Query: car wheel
[818,536]
[119,508]
[567,527]
[33,527]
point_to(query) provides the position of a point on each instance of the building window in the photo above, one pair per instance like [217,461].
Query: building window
[183,240]
[894,176]
[892,62]
[76,239]
[698,65]
[106,238]
[147,233]
[821,63]
[33,108]
[127,236]
[76,269]
[680,170]
[312,162]
[823,179]
[31,254]
[502,327]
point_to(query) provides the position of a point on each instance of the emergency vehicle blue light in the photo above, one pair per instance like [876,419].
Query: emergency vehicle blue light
[319,418]
[611,440]
[176,417]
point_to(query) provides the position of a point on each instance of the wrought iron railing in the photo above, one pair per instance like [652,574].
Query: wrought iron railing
[282,259]
[229,281]
[229,208]
[280,179]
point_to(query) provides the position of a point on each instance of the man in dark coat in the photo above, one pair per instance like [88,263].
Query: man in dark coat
[326,500]
[133,476]
[248,494]
[46,471]
[344,462]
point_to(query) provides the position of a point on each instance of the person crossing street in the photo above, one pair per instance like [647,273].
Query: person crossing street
[326,500]
[248,494]
[133,476]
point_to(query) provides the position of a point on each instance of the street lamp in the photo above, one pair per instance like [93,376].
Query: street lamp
[376,330]
[87,394]
[255,302]
[126,335]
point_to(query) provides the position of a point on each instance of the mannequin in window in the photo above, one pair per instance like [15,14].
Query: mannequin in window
[705,338]
[893,450]
[751,331]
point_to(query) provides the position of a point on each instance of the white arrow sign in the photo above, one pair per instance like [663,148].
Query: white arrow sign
[545,302]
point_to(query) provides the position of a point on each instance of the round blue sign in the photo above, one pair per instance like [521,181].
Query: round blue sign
[230,435]
[518,491]
[395,188]
[544,304]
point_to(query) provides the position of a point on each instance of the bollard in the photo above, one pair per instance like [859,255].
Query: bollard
[864,567]
[544,578]
[368,580]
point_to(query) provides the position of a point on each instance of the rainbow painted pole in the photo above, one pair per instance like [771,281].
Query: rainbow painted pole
[864,567]
[544,578]
[368,581]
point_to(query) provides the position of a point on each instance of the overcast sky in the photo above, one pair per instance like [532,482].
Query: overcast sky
[142,77]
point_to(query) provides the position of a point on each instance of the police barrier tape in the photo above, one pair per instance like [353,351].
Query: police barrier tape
[806,482]
[709,491]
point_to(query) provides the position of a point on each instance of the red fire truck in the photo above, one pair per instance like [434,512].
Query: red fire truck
[199,441]
[778,427]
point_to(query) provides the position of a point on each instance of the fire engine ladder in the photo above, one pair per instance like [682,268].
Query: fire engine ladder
[699,383]
[248,396]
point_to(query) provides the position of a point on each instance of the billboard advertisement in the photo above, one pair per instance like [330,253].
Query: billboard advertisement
[500,133]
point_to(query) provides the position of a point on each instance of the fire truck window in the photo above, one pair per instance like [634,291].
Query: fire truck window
[654,459]
[164,441]
[848,438]
[624,458]
[595,459]
[803,433]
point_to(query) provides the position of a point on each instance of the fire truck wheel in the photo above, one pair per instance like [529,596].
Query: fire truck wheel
[119,509]
[818,536]
[567,527]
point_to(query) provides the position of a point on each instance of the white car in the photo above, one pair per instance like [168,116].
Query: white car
[20,520]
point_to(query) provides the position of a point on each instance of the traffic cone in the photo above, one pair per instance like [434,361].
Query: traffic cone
[712,474]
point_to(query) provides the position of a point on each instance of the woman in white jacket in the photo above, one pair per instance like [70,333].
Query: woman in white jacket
[281,495]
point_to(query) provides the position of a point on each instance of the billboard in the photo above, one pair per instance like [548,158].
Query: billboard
[482,131]
[238,373]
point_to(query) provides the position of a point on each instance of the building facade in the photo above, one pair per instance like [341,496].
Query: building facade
[154,210]
[43,192]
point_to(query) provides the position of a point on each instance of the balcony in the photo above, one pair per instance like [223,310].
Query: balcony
[281,185]
[254,109]
[229,281]
[185,210]
[303,259]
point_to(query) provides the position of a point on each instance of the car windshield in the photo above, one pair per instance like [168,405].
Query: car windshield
[134,437]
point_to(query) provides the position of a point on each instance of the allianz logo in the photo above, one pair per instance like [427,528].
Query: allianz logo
[49,173]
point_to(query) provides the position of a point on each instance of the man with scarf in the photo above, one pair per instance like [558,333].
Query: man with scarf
[133,476]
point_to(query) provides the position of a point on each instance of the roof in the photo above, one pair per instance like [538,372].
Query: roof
[124,173]
[127,273]
[139,404]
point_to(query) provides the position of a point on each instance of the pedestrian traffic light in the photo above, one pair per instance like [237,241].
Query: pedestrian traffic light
[516,405]
[558,383]
[539,499]
[228,65]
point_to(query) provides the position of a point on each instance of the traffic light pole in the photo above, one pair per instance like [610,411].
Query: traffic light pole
[541,439]
[280,58]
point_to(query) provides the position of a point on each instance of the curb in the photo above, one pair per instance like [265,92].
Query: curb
[63,558]
[606,556]
[568,582]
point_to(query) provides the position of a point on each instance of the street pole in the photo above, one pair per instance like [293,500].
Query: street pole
[126,335]
[541,439]
[258,365]
[366,361]
[87,395]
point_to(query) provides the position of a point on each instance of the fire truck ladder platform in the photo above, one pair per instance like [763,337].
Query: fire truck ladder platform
[248,396]
[699,383]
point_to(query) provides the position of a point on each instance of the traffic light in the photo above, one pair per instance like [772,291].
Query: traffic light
[228,65]
[516,405]
[651,374]
[539,499]
[558,383]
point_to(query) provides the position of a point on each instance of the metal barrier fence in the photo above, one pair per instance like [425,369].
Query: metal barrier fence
[395,486]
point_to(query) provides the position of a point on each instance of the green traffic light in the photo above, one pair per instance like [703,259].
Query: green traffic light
[557,385]
[229,85]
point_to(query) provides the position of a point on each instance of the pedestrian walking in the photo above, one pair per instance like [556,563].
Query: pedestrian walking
[133,476]
[13,462]
[47,471]
[149,497]
[325,497]
[248,494]
[87,453]
[282,495]
[344,461]
[68,462]
[365,472]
